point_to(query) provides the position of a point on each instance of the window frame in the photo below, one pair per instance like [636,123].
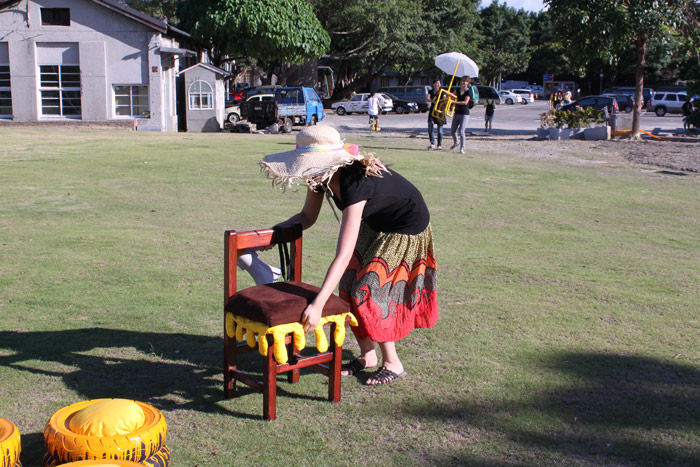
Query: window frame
[132,105]
[60,17]
[7,89]
[61,90]
[206,98]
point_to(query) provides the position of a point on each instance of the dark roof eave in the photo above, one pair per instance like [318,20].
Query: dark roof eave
[158,25]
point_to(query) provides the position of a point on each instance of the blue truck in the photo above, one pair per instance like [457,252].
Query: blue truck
[290,106]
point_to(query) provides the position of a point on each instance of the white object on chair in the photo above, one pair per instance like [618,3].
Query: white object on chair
[259,270]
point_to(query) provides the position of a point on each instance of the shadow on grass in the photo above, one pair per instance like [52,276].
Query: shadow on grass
[168,371]
[181,371]
[621,410]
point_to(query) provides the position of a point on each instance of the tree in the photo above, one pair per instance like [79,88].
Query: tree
[547,53]
[272,34]
[163,9]
[369,37]
[604,28]
[506,40]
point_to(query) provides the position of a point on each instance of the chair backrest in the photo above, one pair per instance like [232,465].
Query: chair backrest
[236,242]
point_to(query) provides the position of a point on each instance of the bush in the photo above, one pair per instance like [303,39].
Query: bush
[578,118]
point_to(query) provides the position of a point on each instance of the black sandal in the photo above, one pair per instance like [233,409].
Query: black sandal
[383,376]
[353,368]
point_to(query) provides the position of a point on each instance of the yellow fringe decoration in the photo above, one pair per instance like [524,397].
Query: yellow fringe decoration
[238,327]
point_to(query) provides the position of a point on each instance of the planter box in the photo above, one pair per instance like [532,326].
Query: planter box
[578,133]
[542,133]
[560,134]
[597,133]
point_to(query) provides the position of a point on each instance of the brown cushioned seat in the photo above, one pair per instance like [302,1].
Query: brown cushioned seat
[281,302]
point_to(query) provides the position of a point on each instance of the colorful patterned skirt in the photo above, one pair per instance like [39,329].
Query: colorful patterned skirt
[391,284]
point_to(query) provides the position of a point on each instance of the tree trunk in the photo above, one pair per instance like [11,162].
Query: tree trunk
[641,46]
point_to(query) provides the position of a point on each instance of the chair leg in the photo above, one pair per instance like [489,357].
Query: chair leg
[334,365]
[270,385]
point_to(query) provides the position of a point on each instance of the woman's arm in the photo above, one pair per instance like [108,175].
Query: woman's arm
[308,214]
[347,238]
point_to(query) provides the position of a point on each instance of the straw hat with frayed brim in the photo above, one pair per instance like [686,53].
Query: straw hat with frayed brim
[320,152]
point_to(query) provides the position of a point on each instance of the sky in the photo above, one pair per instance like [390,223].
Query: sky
[530,5]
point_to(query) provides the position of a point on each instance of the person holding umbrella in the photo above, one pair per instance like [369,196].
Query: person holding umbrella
[461,117]
[459,65]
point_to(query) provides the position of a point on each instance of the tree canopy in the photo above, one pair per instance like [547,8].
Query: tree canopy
[505,40]
[369,37]
[606,28]
[271,33]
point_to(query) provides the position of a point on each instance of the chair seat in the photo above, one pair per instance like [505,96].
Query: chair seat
[281,302]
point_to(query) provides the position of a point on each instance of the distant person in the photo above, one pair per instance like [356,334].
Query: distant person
[489,110]
[567,97]
[373,107]
[433,121]
[686,110]
[461,117]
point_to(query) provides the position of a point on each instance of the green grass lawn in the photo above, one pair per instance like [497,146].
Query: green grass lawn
[569,291]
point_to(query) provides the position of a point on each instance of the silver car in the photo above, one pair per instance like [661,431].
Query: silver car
[358,103]
[663,102]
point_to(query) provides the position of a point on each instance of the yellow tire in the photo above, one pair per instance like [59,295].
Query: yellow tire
[63,445]
[159,459]
[10,444]
[102,463]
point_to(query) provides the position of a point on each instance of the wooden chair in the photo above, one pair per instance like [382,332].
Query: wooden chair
[327,363]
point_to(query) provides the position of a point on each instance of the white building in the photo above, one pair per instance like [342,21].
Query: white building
[93,60]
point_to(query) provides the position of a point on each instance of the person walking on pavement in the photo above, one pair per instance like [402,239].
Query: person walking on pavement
[461,116]
[489,110]
[373,107]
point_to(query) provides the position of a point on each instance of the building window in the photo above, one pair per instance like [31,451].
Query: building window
[5,94]
[131,101]
[201,96]
[55,16]
[60,90]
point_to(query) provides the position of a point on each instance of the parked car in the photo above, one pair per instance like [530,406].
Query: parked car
[526,94]
[403,106]
[358,103]
[625,102]
[597,102]
[233,108]
[664,102]
[474,88]
[648,93]
[510,98]
[417,94]
[488,92]
[537,91]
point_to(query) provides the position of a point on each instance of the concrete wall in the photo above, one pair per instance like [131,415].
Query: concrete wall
[113,49]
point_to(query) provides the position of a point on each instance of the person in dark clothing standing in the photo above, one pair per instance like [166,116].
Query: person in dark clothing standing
[461,117]
[433,121]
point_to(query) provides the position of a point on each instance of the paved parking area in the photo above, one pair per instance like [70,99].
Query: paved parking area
[513,120]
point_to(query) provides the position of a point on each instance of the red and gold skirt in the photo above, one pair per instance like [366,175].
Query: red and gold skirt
[391,284]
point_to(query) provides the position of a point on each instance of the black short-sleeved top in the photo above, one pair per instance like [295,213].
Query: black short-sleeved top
[393,203]
[463,109]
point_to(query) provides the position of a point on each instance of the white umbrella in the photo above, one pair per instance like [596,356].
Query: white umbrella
[457,64]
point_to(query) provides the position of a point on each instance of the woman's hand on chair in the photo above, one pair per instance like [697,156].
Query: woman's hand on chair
[311,317]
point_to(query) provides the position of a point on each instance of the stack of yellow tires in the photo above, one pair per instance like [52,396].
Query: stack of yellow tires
[112,432]
[10,446]
[102,464]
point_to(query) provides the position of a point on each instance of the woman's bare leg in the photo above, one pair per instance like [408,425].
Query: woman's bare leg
[368,354]
[390,359]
